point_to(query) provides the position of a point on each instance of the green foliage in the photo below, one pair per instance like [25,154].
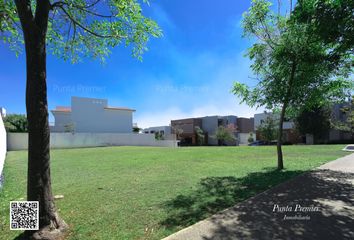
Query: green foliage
[315,121]
[16,123]
[200,135]
[159,136]
[224,134]
[136,129]
[10,30]
[83,28]
[268,129]
[332,21]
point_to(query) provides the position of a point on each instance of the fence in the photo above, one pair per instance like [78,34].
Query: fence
[2,147]
[19,141]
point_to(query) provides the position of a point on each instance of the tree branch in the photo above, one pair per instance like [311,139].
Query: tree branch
[62,3]
[82,8]
[270,41]
[73,39]
[68,35]
[16,25]
[86,28]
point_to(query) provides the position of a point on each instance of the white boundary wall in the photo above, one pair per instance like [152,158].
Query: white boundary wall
[19,141]
[2,145]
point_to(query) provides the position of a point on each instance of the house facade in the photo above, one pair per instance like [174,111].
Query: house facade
[245,129]
[185,130]
[209,125]
[92,115]
[163,130]
[290,134]
[338,136]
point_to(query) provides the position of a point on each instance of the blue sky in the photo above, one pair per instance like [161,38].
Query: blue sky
[187,73]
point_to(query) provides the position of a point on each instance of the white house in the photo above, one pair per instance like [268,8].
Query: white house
[92,115]
[160,129]
[165,132]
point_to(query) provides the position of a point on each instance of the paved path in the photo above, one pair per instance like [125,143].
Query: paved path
[327,193]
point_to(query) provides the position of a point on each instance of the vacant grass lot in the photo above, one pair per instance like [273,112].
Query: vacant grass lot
[150,192]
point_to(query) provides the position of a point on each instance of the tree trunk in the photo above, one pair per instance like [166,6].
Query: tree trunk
[280,138]
[38,173]
[282,115]
[38,178]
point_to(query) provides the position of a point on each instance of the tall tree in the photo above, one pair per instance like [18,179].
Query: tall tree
[294,67]
[70,29]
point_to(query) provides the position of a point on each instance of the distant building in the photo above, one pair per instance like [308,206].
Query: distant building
[259,118]
[245,127]
[163,130]
[185,129]
[290,134]
[3,112]
[211,123]
[338,136]
[92,115]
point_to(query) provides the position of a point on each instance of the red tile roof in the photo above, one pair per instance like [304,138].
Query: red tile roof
[62,109]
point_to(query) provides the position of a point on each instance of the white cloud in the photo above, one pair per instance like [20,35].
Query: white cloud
[173,100]
[163,117]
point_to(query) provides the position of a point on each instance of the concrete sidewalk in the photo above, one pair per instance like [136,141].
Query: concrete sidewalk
[315,205]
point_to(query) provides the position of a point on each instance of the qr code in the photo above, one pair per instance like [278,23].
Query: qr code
[24,215]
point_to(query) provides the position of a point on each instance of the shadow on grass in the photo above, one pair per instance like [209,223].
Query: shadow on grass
[214,194]
[22,236]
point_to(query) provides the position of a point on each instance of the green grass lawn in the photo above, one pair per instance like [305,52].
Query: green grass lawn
[150,192]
